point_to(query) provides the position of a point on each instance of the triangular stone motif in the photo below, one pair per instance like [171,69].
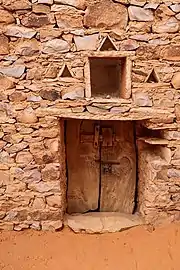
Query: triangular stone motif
[152,77]
[65,72]
[107,45]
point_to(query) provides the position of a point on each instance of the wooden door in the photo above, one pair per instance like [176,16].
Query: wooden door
[83,170]
[118,168]
[101,166]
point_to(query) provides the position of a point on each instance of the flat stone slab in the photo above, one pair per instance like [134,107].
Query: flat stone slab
[101,222]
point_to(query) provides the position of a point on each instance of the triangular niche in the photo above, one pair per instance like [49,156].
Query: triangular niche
[152,77]
[65,72]
[107,45]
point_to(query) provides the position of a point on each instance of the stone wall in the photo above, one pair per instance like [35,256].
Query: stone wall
[41,41]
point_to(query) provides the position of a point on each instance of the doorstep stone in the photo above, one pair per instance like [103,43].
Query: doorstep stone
[101,222]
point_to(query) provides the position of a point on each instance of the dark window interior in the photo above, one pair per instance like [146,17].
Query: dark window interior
[106,75]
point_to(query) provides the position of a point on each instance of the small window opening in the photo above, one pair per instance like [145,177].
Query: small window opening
[107,76]
[65,72]
[153,77]
[107,45]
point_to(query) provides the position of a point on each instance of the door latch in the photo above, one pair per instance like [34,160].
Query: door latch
[96,136]
[106,137]
[106,168]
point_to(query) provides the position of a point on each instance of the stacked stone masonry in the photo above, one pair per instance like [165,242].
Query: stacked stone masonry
[39,39]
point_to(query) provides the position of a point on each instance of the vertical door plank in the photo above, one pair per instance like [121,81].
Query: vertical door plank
[83,170]
[118,180]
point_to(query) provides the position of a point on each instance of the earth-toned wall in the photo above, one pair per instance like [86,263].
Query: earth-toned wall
[39,41]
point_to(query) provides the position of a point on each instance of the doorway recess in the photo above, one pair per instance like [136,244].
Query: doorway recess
[101,166]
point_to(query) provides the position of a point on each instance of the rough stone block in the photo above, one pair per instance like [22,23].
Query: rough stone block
[4,177]
[142,100]
[76,92]
[44,187]
[7,226]
[48,2]
[27,116]
[35,226]
[21,227]
[55,46]
[140,14]
[20,31]
[101,222]
[6,83]
[38,203]
[24,158]
[15,71]
[50,94]
[34,20]
[54,201]
[15,187]
[176,80]
[106,14]
[51,225]
[51,172]
[40,9]
[17,147]
[40,154]
[120,109]
[175,8]
[177,112]
[87,42]
[6,17]
[4,45]
[16,5]
[28,48]
[177,153]
[17,96]
[2,214]
[129,45]
[30,175]
[67,17]
[171,53]
[173,173]
[80,4]
[49,132]
[170,25]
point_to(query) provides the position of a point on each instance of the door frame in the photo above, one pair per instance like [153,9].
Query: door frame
[63,167]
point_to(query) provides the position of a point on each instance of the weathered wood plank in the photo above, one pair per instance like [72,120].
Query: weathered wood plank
[83,170]
[118,180]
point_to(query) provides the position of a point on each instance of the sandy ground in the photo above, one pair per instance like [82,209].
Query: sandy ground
[137,248]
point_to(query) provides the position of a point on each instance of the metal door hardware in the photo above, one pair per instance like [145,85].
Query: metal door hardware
[107,162]
[102,135]
[96,136]
[106,168]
